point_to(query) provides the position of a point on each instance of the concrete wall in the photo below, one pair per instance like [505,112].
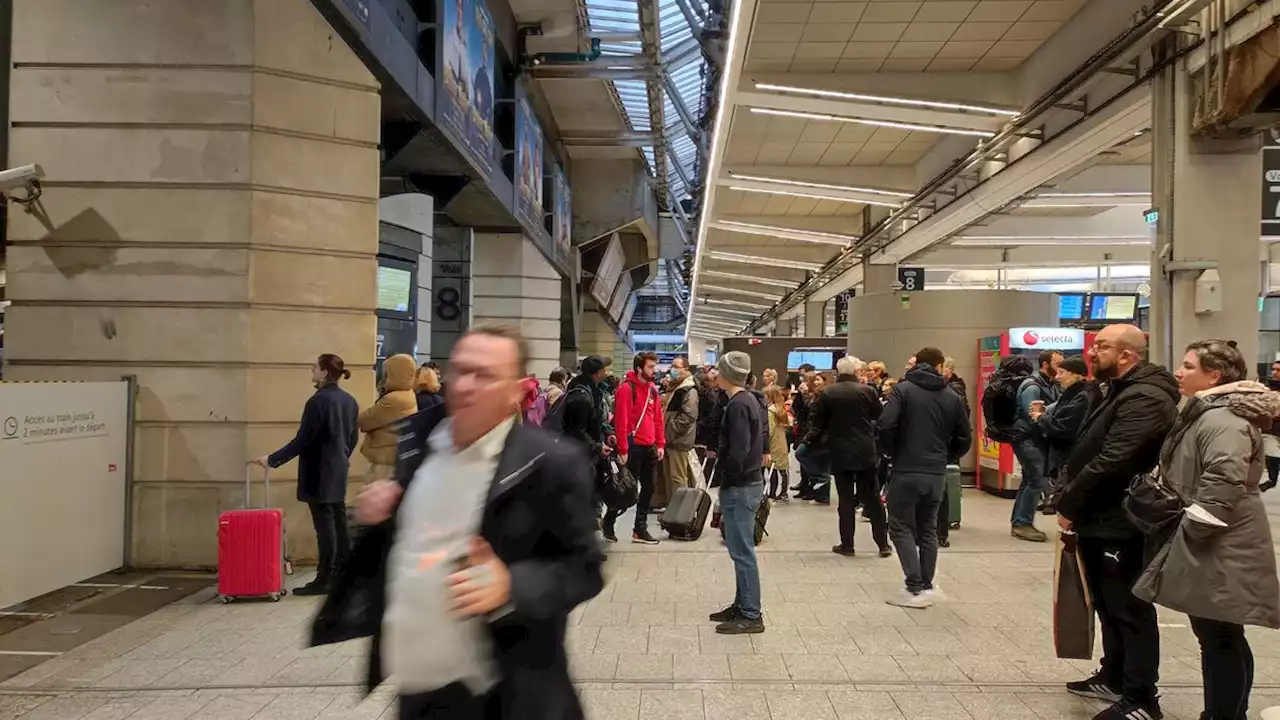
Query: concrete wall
[881,328]
[209,224]
[513,284]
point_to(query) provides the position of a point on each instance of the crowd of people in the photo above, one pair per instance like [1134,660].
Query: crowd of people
[482,531]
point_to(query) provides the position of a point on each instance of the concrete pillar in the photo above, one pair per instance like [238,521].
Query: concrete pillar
[1208,193]
[815,319]
[209,224]
[878,278]
[513,284]
[597,337]
[451,301]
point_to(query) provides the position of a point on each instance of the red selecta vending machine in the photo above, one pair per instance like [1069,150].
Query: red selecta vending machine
[998,469]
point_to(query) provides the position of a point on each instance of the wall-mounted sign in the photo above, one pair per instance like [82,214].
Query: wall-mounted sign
[842,312]
[465,105]
[1046,339]
[529,167]
[608,272]
[1271,192]
[562,219]
[911,279]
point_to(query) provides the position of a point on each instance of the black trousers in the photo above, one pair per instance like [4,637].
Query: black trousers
[860,487]
[1227,664]
[913,523]
[944,515]
[330,521]
[642,463]
[452,702]
[1130,636]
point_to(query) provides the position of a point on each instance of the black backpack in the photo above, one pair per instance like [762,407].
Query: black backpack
[553,421]
[1000,399]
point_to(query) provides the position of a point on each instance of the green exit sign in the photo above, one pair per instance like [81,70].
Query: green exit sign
[1151,217]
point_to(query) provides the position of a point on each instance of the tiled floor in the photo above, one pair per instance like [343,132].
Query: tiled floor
[643,648]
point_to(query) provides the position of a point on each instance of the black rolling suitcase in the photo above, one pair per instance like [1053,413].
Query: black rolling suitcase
[686,514]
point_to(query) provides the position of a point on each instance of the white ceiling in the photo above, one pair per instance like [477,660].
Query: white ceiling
[967,52]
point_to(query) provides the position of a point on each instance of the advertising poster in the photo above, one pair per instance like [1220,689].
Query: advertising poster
[562,220]
[528,166]
[466,101]
[988,361]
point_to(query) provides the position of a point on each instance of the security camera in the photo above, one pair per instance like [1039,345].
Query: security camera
[26,176]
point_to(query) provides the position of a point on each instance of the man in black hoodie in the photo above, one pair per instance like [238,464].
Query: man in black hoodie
[1120,438]
[924,427]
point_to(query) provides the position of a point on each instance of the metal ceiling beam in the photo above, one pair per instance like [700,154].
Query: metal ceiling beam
[622,139]
[587,72]
[651,44]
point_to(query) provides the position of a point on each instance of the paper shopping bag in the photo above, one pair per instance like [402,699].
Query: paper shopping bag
[1073,621]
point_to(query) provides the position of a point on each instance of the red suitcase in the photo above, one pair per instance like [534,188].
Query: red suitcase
[251,551]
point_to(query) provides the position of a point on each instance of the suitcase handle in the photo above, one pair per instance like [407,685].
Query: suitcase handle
[248,484]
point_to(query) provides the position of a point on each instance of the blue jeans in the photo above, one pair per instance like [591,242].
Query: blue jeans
[1034,482]
[738,506]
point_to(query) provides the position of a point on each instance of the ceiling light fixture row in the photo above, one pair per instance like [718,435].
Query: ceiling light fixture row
[772,282]
[758,260]
[881,203]
[799,234]
[1047,240]
[889,100]
[876,123]
[741,291]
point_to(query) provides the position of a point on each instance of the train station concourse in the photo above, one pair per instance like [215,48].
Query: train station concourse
[237,230]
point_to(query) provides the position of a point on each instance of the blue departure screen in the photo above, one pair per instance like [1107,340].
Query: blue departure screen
[1071,307]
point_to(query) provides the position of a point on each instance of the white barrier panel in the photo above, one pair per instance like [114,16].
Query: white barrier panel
[62,484]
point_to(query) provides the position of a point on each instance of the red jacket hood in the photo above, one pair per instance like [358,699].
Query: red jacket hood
[641,383]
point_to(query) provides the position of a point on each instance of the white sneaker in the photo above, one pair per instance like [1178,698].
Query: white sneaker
[908,599]
[935,594]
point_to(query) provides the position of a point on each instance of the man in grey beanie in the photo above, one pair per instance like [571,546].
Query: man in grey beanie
[739,466]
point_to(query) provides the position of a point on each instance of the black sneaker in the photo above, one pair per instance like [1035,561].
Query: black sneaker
[742,626]
[643,537]
[842,550]
[312,588]
[1095,687]
[886,552]
[1125,709]
[610,536]
[730,613]
[944,543]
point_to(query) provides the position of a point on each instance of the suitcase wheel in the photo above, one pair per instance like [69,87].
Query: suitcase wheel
[955,526]
[224,599]
[274,597]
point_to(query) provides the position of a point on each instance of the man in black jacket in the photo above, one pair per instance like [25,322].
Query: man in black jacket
[846,414]
[477,553]
[923,428]
[1121,438]
[584,409]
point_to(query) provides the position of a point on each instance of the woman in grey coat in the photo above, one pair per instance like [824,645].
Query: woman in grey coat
[1218,568]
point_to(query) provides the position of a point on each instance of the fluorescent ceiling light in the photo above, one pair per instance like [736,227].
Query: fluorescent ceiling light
[888,100]
[1019,240]
[823,186]
[1126,194]
[876,123]
[736,303]
[1176,10]
[702,321]
[757,260]
[774,282]
[1083,204]
[741,291]
[881,203]
[799,234]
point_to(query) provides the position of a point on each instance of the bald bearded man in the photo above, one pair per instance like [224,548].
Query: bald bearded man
[1120,439]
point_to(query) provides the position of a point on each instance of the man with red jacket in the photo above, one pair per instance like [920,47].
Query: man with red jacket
[638,424]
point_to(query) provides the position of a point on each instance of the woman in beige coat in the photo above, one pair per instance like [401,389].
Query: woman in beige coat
[1218,567]
[396,401]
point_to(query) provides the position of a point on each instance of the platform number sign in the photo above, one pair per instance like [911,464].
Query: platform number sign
[911,279]
[1271,191]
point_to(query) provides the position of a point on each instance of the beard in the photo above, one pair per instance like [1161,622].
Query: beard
[1105,372]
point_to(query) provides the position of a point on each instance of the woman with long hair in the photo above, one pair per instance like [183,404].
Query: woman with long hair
[323,445]
[779,460]
[1218,566]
